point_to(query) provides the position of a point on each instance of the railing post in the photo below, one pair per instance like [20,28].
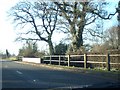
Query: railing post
[85,61]
[59,59]
[108,62]
[50,59]
[68,60]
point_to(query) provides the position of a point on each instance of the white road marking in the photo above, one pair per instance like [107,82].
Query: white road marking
[19,72]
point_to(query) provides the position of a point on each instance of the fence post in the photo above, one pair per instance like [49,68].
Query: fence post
[50,59]
[108,62]
[68,60]
[85,61]
[59,59]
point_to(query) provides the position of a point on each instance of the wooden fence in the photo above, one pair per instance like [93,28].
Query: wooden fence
[85,60]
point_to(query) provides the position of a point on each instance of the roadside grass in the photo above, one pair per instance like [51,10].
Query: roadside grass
[76,69]
[97,69]
[11,58]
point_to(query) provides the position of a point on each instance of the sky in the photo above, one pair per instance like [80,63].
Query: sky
[8,33]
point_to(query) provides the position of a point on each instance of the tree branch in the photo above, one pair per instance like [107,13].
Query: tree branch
[91,21]
[105,18]
[92,31]
[63,10]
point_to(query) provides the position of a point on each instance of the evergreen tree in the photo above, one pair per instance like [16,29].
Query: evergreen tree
[60,49]
[7,54]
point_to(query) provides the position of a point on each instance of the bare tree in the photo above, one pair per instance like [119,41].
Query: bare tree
[79,15]
[118,18]
[118,11]
[30,49]
[111,38]
[39,20]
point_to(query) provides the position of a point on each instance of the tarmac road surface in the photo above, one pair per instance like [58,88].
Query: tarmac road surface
[18,75]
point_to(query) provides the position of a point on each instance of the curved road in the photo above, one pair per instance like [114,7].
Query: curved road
[18,75]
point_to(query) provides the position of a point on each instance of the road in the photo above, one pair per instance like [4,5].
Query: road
[18,75]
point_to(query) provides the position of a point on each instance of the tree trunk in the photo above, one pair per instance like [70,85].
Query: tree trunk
[77,28]
[77,41]
[77,38]
[51,49]
[119,37]
[118,10]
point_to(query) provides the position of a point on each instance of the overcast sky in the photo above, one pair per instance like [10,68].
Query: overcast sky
[7,30]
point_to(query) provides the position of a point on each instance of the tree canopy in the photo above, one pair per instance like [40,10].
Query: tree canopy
[44,18]
[61,49]
[79,15]
[30,49]
[38,18]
